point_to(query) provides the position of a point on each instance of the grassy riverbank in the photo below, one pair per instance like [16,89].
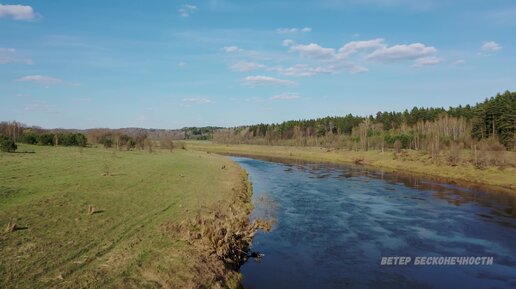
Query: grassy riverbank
[409,161]
[137,197]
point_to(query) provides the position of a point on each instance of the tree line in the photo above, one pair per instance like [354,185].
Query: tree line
[13,132]
[123,138]
[420,128]
[489,125]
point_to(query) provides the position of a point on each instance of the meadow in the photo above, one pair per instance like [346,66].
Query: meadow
[101,218]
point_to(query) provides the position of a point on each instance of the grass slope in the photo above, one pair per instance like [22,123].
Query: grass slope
[123,245]
[500,178]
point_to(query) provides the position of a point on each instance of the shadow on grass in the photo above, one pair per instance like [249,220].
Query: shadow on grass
[20,228]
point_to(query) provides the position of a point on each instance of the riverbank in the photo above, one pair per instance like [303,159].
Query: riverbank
[101,218]
[407,162]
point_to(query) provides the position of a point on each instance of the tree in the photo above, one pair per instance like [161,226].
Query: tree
[140,140]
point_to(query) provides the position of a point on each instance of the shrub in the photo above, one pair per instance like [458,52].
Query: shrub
[404,140]
[80,140]
[30,138]
[46,139]
[131,144]
[7,144]
[106,141]
[491,152]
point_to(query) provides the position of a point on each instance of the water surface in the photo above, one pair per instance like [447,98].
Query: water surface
[334,223]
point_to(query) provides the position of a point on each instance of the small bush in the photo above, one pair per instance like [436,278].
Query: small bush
[106,141]
[30,138]
[7,144]
[46,139]
[131,144]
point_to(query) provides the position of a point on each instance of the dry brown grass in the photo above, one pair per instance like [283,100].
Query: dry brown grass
[220,236]
[226,233]
[10,227]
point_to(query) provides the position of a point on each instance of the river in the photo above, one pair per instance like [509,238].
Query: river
[333,225]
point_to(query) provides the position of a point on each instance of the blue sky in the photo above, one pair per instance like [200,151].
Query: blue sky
[170,64]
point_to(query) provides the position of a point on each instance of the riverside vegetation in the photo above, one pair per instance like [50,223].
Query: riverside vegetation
[474,144]
[75,217]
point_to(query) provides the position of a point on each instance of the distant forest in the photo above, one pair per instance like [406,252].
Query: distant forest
[491,122]
[489,126]
[129,138]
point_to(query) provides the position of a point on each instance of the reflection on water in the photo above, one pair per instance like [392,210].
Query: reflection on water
[334,223]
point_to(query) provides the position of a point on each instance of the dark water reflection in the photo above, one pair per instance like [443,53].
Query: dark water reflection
[334,223]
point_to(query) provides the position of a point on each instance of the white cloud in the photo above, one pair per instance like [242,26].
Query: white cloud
[355,46]
[350,57]
[232,49]
[503,16]
[381,51]
[313,50]
[266,80]
[17,12]
[40,106]
[181,64]
[305,70]
[286,96]
[288,42]
[41,79]
[458,62]
[356,68]
[401,52]
[187,10]
[491,46]
[196,100]
[7,49]
[247,66]
[426,61]
[293,30]
[419,5]
[8,55]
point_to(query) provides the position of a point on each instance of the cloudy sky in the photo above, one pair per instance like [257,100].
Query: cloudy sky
[170,64]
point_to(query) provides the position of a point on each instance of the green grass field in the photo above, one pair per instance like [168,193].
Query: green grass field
[123,245]
[502,178]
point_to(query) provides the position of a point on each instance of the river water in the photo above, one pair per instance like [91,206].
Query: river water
[335,223]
